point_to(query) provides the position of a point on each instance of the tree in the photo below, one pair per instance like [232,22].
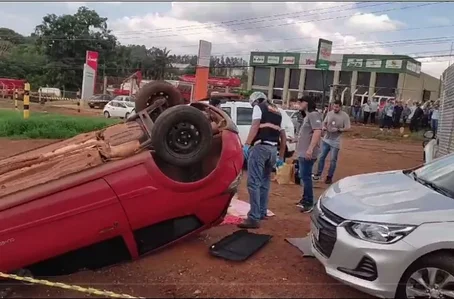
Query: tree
[65,40]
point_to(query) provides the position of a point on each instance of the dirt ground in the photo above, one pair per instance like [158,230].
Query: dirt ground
[278,270]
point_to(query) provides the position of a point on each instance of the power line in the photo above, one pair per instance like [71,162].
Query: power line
[261,27]
[430,40]
[302,22]
[80,67]
[268,18]
[307,38]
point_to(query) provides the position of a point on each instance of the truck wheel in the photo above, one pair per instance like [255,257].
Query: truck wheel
[428,277]
[152,91]
[182,136]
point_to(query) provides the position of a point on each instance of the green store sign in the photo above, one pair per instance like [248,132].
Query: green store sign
[281,59]
[381,64]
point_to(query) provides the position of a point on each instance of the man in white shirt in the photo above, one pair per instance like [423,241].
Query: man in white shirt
[434,118]
[373,110]
[366,111]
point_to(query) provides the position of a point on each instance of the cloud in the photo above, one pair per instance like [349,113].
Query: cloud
[369,21]
[236,29]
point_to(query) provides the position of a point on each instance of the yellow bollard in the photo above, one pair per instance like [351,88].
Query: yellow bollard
[26,100]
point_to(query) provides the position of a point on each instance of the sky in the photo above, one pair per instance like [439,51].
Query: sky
[237,28]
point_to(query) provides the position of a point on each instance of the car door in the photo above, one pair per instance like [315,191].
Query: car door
[114,109]
[243,121]
[122,109]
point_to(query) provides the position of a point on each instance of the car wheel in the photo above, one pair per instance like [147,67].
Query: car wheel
[126,115]
[106,114]
[432,276]
[182,136]
[153,91]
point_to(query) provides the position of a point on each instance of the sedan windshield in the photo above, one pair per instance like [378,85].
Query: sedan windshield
[439,174]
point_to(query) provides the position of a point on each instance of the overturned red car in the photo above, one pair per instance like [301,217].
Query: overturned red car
[117,194]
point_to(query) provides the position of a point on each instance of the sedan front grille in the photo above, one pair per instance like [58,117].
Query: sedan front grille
[326,222]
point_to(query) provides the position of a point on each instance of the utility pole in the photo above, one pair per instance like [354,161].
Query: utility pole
[104,87]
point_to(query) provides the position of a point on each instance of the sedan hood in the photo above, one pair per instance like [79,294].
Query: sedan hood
[387,197]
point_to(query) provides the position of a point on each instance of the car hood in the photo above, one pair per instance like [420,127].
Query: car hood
[387,197]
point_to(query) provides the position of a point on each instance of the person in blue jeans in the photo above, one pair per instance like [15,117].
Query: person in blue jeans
[307,149]
[336,122]
[260,149]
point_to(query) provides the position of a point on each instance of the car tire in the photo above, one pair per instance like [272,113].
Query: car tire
[442,261]
[106,114]
[147,94]
[126,115]
[174,122]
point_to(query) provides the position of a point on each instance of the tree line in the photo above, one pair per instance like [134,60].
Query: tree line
[55,53]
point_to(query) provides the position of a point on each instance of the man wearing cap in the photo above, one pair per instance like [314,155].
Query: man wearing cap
[260,151]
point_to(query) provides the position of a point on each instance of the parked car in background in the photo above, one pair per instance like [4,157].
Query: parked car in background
[293,114]
[99,100]
[120,109]
[124,98]
[430,145]
[49,92]
[390,234]
[241,114]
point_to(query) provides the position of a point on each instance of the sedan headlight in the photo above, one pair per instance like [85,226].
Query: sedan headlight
[378,233]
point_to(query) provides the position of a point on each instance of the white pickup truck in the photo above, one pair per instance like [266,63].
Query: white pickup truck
[241,114]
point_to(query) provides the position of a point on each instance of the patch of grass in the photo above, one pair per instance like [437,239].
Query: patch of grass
[48,126]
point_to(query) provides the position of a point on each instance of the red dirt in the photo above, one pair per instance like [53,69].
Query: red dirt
[278,270]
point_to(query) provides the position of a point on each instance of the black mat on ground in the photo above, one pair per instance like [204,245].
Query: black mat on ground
[239,246]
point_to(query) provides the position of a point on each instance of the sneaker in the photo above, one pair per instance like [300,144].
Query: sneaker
[328,180]
[307,209]
[249,224]
[300,205]
[315,177]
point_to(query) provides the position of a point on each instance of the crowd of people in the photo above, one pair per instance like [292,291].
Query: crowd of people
[265,147]
[396,114]
[319,136]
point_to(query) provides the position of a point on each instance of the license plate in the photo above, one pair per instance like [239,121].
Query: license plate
[314,230]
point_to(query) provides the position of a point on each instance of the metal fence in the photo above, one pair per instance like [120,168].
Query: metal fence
[446,122]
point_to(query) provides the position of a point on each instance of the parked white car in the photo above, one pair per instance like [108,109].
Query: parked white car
[124,99]
[120,109]
[390,234]
[241,114]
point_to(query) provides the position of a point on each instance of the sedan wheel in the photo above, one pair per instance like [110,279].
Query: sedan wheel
[106,114]
[430,283]
[127,115]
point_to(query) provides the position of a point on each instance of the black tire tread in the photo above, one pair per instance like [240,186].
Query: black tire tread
[145,92]
[169,118]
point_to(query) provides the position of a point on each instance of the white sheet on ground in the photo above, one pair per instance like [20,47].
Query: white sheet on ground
[303,244]
[240,208]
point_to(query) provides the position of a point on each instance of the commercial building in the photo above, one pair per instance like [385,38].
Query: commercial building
[286,76]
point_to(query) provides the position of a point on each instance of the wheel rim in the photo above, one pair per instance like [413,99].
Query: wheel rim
[183,138]
[430,283]
[106,114]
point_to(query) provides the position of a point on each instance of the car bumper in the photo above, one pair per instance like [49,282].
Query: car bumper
[349,255]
